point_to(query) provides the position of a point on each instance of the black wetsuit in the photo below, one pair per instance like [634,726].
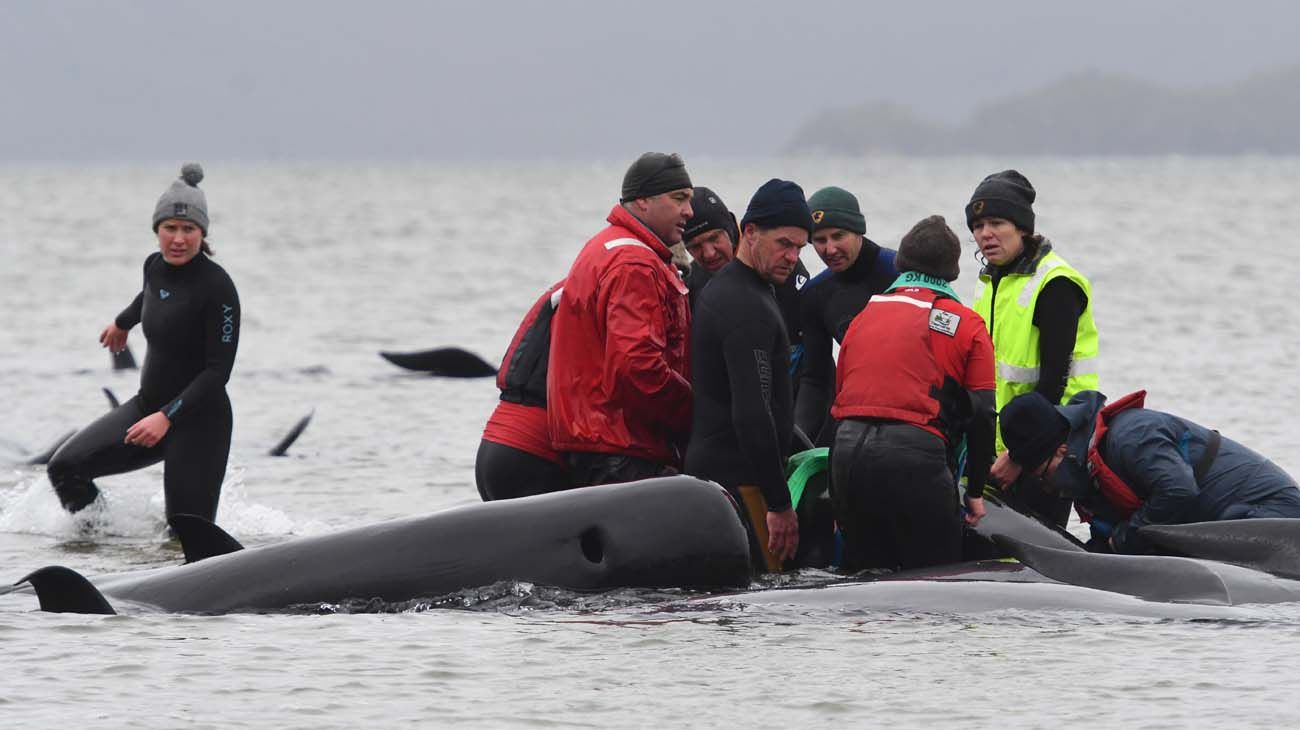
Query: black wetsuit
[828,305]
[191,322]
[787,300]
[740,379]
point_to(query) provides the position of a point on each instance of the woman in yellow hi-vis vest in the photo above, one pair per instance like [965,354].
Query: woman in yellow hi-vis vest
[1038,310]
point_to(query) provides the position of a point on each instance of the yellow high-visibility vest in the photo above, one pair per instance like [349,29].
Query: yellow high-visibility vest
[1015,338]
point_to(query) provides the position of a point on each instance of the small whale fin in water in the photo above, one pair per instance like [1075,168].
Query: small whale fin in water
[44,456]
[63,590]
[123,360]
[1270,544]
[200,538]
[449,362]
[282,447]
[112,399]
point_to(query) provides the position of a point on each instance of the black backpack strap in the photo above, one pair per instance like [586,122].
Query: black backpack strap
[1211,452]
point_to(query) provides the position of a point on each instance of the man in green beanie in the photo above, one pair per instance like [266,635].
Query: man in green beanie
[856,269]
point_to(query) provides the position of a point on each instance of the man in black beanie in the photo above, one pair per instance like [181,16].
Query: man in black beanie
[711,238]
[915,376]
[740,369]
[856,269]
[618,389]
[1126,467]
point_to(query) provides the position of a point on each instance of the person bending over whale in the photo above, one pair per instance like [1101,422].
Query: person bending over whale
[740,367]
[1126,466]
[189,311]
[515,458]
[618,390]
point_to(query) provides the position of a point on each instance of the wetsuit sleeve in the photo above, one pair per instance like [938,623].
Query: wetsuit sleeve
[1056,315]
[636,342]
[220,322]
[1150,462]
[980,381]
[980,441]
[747,352]
[130,317]
[817,372]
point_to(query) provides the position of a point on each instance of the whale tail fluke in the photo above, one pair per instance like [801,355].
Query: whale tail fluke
[281,448]
[63,590]
[200,538]
[449,362]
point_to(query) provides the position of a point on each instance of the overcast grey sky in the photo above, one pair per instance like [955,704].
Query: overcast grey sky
[398,79]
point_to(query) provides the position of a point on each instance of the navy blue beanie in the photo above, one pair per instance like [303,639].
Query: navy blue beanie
[779,203]
[1032,428]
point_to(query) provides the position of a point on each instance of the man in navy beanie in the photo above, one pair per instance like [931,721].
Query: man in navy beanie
[740,370]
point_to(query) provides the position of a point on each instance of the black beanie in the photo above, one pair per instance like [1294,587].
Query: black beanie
[1006,194]
[779,203]
[1032,428]
[709,213]
[654,173]
[930,248]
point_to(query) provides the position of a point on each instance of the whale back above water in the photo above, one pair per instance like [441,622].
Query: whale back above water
[666,532]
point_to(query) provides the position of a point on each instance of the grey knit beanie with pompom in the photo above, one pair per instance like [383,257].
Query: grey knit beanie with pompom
[183,200]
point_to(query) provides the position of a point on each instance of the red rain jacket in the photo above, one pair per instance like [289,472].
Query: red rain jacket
[619,376]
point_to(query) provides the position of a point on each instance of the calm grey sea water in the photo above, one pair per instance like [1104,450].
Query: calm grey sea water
[1193,264]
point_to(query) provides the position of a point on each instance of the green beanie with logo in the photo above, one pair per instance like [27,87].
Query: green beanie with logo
[834,207]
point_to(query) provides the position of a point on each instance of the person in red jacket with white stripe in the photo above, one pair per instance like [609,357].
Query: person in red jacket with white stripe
[915,377]
[618,389]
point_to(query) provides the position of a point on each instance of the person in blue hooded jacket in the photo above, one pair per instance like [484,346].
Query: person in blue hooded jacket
[1127,466]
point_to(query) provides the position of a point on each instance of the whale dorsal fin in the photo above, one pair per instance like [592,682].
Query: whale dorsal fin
[200,538]
[63,590]
[282,447]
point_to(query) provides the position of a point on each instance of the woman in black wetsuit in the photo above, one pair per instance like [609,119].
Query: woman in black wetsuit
[181,416]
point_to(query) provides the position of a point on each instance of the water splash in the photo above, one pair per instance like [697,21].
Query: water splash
[133,506]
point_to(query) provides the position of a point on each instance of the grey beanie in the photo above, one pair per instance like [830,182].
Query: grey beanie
[183,200]
[931,247]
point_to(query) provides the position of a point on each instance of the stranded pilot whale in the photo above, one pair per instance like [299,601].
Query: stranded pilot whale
[671,531]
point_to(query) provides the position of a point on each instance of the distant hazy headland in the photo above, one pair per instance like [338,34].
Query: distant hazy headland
[1081,114]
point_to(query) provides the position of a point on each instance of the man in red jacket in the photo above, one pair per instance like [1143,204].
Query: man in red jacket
[915,376]
[618,390]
